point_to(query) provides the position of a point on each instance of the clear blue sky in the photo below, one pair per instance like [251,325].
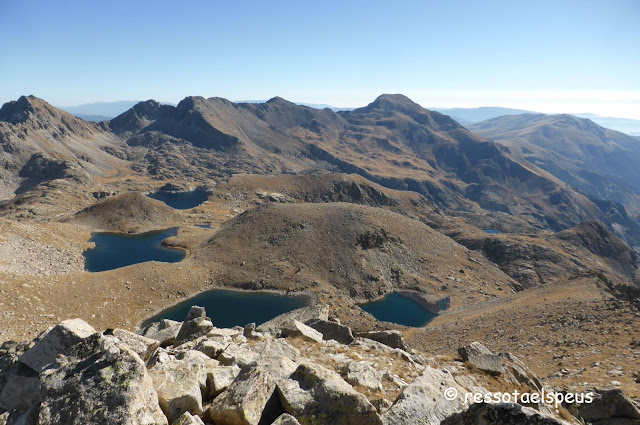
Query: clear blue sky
[562,56]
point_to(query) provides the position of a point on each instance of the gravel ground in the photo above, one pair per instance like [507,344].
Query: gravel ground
[31,249]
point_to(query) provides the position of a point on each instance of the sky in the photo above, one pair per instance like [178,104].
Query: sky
[542,55]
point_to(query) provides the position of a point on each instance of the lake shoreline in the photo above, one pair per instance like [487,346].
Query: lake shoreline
[310,299]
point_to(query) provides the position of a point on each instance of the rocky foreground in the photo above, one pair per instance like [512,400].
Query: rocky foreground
[299,368]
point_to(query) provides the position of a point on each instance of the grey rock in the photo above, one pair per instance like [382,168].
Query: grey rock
[317,395]
[303,315]
[286,419]
[193,329]
[196,312]
[58,340]
[164,331]
[245,401]
[517,372]
[295,328]
[332,330]
[142,346]
[607,404]
[390,338]
[84,388]
[500,414]
[182,381]
[221,378]
[188,419]
[249,329]
[20,391]
[234,354]
[423,401]
[482,358]
[364,375]
[212,348]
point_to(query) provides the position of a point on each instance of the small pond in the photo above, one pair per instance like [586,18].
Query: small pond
[115,250]
[492,231]
[397,308]
[181,200]
[229,308]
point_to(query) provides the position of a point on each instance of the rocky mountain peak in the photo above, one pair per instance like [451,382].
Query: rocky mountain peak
[190,102]
[279,101]
[19,111]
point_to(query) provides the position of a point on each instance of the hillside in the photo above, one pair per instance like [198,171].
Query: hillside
[41,143]
[354,250]
[128,212]
[593,159]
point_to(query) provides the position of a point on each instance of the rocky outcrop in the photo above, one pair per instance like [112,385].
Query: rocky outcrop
[607,406]
[482,358]
[93,386]
[302,315]
[390,338]
[164,331]
[196,324]
[333,330]
[500,414]
[314,394]
[288,375]
[300,330]
[424,401]
[58,340]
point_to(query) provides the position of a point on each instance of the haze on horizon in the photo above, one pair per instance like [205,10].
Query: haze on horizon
[547,56]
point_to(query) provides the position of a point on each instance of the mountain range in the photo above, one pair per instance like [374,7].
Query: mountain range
[104,111]
[392,141]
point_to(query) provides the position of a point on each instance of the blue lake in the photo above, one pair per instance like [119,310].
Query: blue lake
[396,308]
[492,231]
[234,308]
[181,200]
[115,250]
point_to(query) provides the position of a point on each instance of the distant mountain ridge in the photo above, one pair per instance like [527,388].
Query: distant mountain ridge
[474,115]
[596,160]
[393,141]
[102,111]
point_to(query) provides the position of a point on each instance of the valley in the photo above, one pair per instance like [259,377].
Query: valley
[532,249]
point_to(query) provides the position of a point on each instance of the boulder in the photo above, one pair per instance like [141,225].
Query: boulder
[390,338]
[58,340]
[481,358]
[298,329]
[332,330]
[305,314]
[235,354]
[220,378]
[196,312]
[286,419]
[182,381]
[516,371]
[87,388]
[608,404]
[364,375]
[423,401]
[248,401]
[277,348]
[500,414]
[142,346]
[317,395]
[164,331]
[20,391]
[187,419]
[249,329]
